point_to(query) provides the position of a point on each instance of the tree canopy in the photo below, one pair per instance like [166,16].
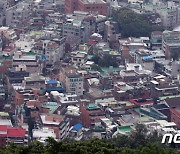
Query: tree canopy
[138,142]
[93,146]
[132,23]
[104,61]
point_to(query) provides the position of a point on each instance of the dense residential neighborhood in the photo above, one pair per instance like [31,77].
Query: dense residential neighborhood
[82,69]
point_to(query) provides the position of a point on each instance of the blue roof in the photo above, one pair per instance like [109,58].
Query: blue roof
[78,126]
[51,81]
[59,89]
[43,58]
[147,57]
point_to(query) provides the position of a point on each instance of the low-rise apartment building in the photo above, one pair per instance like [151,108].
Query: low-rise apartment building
[171,44]
[95,6]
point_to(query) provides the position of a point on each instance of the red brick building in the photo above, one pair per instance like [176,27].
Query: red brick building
[142,102]
[94,6]
[175,116]
[91,114]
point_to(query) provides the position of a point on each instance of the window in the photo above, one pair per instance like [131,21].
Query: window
[72,89]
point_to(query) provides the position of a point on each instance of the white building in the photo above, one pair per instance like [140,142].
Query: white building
[64,99]
[25,43]
[74,83]
[18,15]
[8,33]
[52,50]
[68,99]
[168,11]
[58,122]
[42,134]
[73,110]
[79,24]
[79,57]
[4,5]
[28,62]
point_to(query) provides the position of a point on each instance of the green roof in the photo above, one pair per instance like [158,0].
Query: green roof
[125,129]
[137,110]
[108,90]
[2,58]
[92,106]
[99,128]
[90,56]
[30,54]
[104,74]
[51,105]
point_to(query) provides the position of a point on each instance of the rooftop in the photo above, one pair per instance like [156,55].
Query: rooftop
[141,101]
[52,106]
[16,132]
[51,81]
[93,1]
[77,127]
[43,133]
[125,129]
[51,119]
[72,75]
[92,106]
[173,102]
[34,78]
[12,131]
[4,114]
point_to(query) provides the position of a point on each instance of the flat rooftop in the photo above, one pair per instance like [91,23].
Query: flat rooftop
[93,1]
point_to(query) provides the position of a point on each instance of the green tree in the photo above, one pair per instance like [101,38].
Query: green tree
[96,68]
[96,59]
[133,24]
[35,147]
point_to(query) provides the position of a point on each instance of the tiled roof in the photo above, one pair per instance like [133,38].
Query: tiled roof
[3,128]
[173,102]
[16,132]
[12,132]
